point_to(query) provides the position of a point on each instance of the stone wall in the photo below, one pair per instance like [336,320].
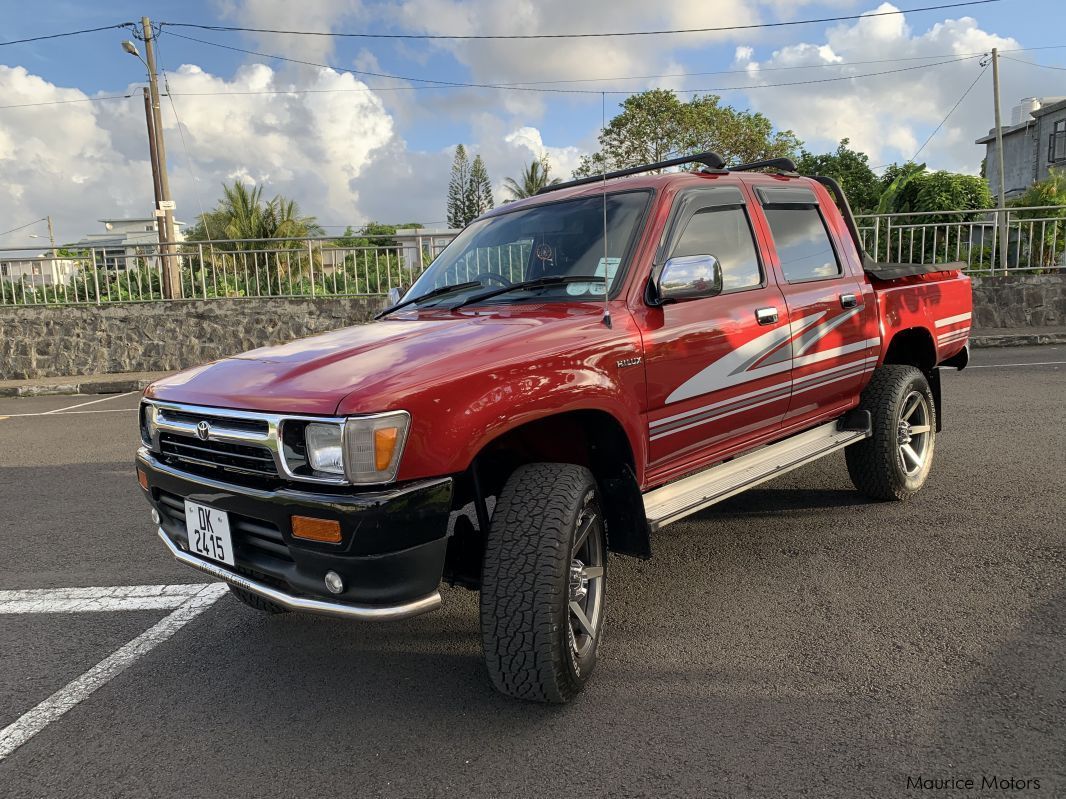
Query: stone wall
[1019,301]
[53,341]
[47,341]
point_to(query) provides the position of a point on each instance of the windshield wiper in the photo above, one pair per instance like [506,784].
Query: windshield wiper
[540,282]
[437,292]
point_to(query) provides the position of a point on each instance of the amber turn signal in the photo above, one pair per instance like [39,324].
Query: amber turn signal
[142,478]
[384,446]
[325,530]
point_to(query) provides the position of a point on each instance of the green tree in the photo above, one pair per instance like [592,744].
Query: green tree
[1046,238]
[479,192]
[536,176]
[458,190]
[655,125]
[243,214]
[851,169]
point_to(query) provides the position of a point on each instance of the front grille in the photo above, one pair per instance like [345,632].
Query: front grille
[224,422]
[250,535]
[218,456]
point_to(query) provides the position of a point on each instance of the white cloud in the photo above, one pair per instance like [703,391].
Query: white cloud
[890,116]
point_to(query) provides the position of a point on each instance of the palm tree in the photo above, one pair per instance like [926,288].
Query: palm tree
[534,177]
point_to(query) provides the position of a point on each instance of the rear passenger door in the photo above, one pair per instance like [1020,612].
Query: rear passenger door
[833,343]
[704,394]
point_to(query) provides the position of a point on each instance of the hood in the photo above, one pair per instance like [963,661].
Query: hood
[373,367]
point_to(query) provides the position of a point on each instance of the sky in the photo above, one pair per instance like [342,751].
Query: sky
[352,147]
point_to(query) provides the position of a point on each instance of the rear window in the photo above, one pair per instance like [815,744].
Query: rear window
[803,244]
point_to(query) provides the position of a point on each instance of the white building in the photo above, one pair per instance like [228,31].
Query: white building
[42,270]
[127,243]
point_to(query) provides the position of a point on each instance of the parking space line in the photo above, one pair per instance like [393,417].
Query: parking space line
[1000,365]
[70,413]
[90,402]
[97,600]
[67,698]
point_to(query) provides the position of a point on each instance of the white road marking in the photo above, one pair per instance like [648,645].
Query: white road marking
[67,698]
[999,365]
[97,600]
[69,413]
[90,402]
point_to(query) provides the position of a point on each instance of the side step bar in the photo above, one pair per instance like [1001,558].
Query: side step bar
[690,494]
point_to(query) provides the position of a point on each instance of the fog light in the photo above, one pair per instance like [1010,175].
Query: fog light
[155,516]
[334,582]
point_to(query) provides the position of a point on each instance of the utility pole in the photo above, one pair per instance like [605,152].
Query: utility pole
[1001,206]
[152,153]
[52,236]
[171,272]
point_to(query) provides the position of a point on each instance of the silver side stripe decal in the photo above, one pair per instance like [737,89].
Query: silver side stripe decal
[755,399]
[742,365]
[747,406]
[952,339]
[951,320]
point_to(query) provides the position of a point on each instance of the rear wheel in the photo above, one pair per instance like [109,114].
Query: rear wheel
[543,583]
[895,461]
[256,601]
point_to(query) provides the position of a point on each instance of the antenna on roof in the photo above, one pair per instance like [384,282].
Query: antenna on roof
[606,259]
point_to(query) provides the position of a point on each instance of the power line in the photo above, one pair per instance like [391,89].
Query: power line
[1033,63]
[434,83]
[64,102]
[943,122]
[68,33]
[20,227]
[720,29]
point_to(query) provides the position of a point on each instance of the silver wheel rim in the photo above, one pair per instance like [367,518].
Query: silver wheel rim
[587,569]
[914,433]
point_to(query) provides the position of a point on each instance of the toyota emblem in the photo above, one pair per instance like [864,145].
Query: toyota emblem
[203,431]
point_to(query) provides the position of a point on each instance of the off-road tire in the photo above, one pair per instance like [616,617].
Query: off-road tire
[256,601]
[526,582]
[875,464]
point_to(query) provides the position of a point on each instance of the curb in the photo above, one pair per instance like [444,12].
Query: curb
[1016,340]
[96,386]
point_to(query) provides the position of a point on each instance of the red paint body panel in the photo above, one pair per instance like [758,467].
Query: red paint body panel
[711,383]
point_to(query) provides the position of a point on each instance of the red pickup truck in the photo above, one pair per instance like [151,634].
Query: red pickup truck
[575,371]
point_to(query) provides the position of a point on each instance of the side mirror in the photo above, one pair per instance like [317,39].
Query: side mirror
[689,277]
[394,296]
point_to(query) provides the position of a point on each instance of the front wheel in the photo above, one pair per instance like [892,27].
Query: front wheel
[543,583]
[895,461]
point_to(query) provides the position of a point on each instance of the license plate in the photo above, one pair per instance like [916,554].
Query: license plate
[208,532]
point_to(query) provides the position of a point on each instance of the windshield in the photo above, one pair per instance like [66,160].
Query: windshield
[558,239]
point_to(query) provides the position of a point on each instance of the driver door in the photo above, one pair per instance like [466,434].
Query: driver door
[718,367]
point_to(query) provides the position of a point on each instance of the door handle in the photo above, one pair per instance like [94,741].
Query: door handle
[766,316]
[848,300]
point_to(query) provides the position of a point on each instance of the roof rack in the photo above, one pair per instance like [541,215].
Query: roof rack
[709,159]
[784,165]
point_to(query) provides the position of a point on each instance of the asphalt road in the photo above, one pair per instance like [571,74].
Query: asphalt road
[794,641]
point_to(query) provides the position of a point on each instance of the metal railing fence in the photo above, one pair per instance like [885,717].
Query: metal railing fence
[309,267]
[1036,238]
[336,267]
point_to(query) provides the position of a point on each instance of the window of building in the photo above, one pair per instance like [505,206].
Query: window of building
[802,243]
[1056,146]
[726,234]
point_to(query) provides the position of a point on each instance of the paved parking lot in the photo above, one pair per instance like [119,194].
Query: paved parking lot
[794,641]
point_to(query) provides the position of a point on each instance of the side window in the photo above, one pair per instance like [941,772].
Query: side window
[803,244]
[725,234]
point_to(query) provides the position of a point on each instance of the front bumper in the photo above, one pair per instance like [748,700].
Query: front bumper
[390,558]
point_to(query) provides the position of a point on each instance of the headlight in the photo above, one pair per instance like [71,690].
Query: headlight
[373,446]
[324,448]
[147,424]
